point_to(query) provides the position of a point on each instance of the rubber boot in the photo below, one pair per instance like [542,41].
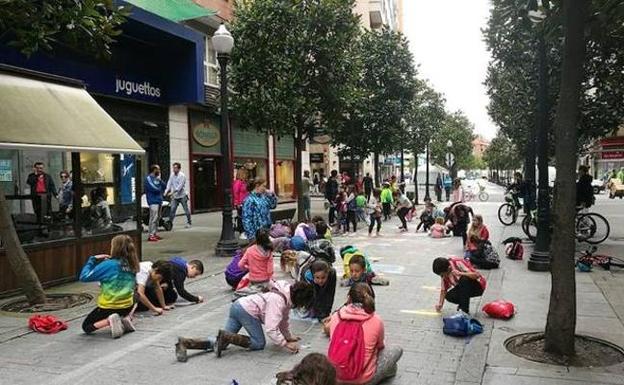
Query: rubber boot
[190,343]
[225,338]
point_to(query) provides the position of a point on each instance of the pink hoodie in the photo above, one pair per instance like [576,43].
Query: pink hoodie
[239,191]
[272,309]
[258,262]
[373,328]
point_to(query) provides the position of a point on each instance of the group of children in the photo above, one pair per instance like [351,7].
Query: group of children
[127,286]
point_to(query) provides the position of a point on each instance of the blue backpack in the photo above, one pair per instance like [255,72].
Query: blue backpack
[461,325]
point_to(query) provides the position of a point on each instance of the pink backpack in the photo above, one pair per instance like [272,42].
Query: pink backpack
[346,349]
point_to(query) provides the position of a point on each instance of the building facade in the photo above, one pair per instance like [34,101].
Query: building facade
[479,145]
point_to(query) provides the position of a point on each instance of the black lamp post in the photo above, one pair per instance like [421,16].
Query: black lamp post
[540,257]
[223,43]
[450,159]
[427,171]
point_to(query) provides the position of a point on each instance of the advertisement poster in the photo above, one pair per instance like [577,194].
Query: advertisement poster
[128,183]
[6,170]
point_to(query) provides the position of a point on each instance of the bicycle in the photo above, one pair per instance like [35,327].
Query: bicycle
[508,211]
[483,195]
[592,228]
[588,259]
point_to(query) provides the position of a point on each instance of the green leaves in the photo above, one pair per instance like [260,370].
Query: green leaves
[88,25]
[457,128]
[502,154]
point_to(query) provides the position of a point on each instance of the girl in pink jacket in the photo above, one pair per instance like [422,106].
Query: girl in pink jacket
[270,309]
[257,260]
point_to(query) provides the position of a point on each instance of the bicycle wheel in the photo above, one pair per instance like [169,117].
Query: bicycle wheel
[601,229]
[529,226]
[483,196]
[507,214]
[585,227]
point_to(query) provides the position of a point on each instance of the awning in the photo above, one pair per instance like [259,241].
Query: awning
[35,114]
[175,10]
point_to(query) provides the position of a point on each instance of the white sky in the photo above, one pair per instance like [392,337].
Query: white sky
[446,40]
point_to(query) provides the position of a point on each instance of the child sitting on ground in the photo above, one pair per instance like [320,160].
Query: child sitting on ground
[233,273]
[149,286]
[438,230]
[181,270]
[323,277]
[258,261]
[346,253]
[116,275]
[358,273]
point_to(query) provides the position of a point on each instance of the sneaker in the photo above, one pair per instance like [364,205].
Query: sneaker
[128,326]
[152,238]
[187,226]
[116,327]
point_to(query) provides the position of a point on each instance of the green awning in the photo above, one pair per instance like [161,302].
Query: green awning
[36,114]
[175,10]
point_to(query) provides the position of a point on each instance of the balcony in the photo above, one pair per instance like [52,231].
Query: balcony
[375,14]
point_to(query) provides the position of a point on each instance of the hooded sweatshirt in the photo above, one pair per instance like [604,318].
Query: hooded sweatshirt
[259,263]
[180,273]
[272,309]
[373,329]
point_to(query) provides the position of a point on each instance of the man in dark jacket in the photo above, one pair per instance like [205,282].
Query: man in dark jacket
[584,189]
[368,186]
[331,191]
[41,189]
[180,272]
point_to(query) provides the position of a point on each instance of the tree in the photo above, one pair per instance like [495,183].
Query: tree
[382,98]
[561,320]
[87,25]
[30,26]
[502,154]
[459,130]
[293,68]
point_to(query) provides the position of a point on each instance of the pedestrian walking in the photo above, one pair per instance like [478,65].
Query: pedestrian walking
[42,189]
[368,186]
[460,282]
[373,209]
[116,274]
[331,192]
[306,187]
[584,190]
[154,188]
[240,191]
[351,203]
[439,186]
[176,187]
[316,181]
[458,191]
[257,209]
[448,185]
[270,309]
[386,200]
[403,206]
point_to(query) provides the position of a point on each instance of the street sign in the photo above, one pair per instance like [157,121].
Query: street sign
[450,160]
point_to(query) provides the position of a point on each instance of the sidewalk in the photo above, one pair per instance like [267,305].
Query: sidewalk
[406,306]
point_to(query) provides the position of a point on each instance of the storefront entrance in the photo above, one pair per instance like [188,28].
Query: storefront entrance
[206,183]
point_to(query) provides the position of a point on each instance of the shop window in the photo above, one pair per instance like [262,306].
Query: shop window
[285,178]
[211,66]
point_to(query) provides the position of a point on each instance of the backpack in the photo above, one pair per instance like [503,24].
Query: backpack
[46,324]
[346,349]
[461,325]
[233,273]
[513,248]
[323,249]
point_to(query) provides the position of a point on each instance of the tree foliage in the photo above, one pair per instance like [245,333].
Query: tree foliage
[86,25]
[293,67]
[502,154]
[425,118]
[457,128]
[512,74]
[382,99]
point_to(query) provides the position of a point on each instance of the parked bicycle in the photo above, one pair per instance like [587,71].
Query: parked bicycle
[592,228]
[589,259]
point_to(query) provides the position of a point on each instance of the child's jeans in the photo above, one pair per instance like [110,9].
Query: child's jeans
[239,318]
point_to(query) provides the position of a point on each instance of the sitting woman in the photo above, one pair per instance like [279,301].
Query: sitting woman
[477,234]
[460,282]
[380,362]
[270,309]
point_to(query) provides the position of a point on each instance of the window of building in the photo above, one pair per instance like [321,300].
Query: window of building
[211,67]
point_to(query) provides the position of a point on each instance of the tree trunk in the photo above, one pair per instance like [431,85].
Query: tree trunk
[561,321]
[376,170]
[299,145]
[416,178]
[18,260]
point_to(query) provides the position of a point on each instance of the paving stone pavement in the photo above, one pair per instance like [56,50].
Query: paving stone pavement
[406,306]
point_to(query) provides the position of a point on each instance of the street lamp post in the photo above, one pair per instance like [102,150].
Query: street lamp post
[450,161]
[427,171]
[540,257]
[223,43]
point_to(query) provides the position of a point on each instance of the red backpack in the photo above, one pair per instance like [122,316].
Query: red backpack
[47,324]
[346,349]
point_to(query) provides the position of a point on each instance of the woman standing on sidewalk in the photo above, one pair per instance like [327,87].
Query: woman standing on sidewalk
[257,209]
[240,190]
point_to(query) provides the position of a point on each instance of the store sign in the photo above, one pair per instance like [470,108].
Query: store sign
[130,88]
[316,158]
[613,155]
[206,134]
[6,170]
